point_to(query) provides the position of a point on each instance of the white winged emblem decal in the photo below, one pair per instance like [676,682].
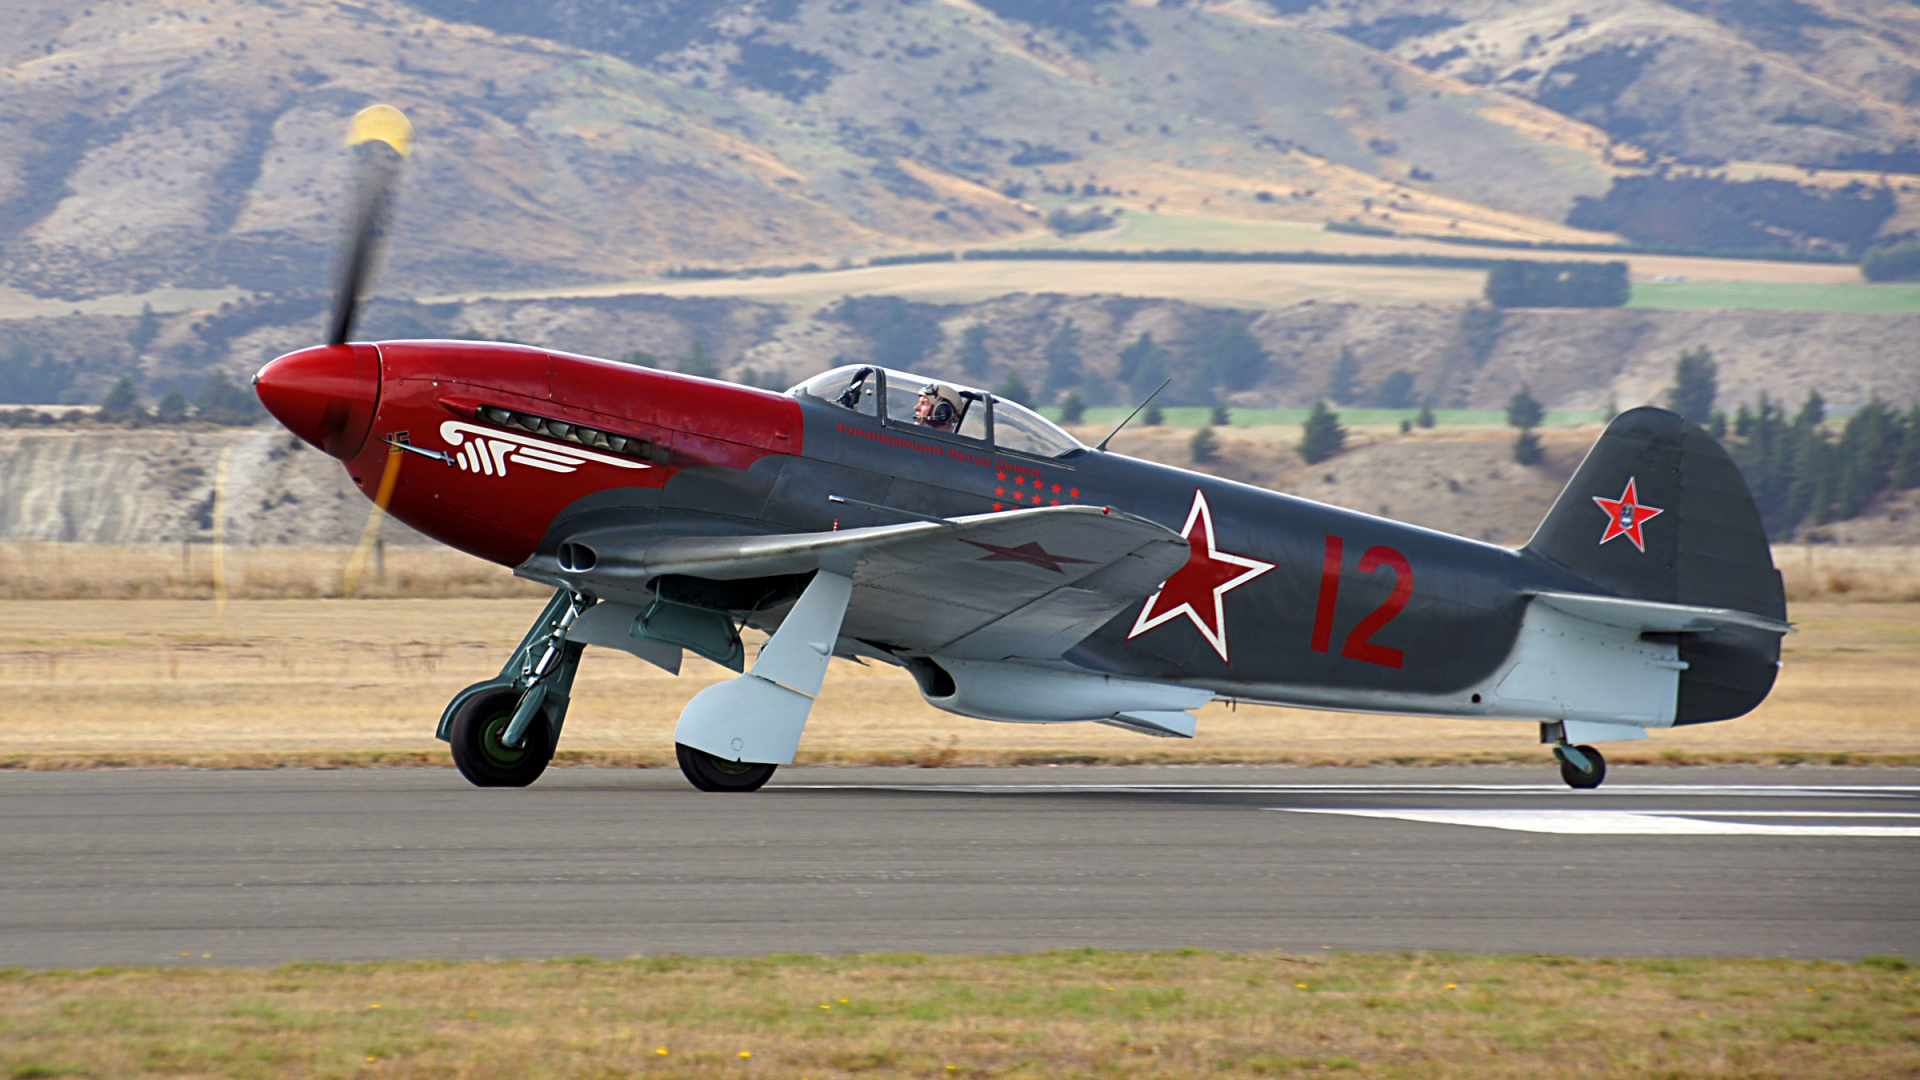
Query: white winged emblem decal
[492,450]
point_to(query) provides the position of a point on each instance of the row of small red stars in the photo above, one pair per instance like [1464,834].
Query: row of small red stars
[1038,496]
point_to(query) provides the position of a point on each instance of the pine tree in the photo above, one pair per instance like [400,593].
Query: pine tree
[1013,388]
[122,401]
[1906,464]
[1222,416]
[221,402]
[1072,410]
[1153,417]
[1864,458]
[974,357]
[1225,354]
[1204,446]
[1063,358]
[1523,411]
[1143,364]
[1396,390]
[1346,372]
[1526,448]
[144,331]
[1694,385]
[699,363]
[1425,419]
[1813,413]
[1321,436]
[172,408]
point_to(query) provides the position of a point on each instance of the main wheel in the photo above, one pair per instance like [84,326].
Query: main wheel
[478,751]
[1577,779]
[709,773]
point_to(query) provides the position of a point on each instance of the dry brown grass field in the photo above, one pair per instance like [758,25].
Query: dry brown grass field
[47,571]
[288,682]
[1043,1015]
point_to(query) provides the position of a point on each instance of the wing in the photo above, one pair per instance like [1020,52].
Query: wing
[1029,583]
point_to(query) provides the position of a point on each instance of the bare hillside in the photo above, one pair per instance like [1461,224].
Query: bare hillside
[1458,357]
[1830,83]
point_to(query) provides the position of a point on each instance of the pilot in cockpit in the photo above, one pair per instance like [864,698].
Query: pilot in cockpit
[938,408]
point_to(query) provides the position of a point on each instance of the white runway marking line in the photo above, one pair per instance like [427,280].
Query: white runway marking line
[1710,791]
[1635,822]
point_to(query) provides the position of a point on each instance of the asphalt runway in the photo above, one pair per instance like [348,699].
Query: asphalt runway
[237,868]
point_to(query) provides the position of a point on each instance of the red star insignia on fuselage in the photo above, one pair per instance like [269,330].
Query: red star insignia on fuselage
[1625,515]
[1030,553]
[1198,590]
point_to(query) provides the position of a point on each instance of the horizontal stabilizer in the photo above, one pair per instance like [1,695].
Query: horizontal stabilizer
[1655,615]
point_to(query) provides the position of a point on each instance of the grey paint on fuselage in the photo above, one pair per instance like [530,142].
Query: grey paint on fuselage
[1456,629]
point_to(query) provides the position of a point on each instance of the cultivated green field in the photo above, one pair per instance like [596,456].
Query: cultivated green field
[1082,1013]
[1881,299]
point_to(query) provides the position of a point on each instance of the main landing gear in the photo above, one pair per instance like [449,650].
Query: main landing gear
[503,731]
[710,773]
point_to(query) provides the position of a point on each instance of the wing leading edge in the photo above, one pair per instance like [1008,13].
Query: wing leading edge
[1024,583]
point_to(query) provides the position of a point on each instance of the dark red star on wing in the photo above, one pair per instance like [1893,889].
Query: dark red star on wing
[1030,553]
[1625,515]
[1198,590]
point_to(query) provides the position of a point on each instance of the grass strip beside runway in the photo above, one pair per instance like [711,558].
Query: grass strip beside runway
[1071,1013]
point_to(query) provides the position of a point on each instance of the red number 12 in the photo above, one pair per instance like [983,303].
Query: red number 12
[1359,645]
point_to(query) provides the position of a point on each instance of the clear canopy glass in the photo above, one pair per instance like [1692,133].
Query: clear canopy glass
[943,408]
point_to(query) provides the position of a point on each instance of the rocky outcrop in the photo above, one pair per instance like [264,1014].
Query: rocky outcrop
[158,485]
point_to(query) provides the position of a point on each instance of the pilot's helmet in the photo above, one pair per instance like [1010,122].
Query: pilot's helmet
[946,404]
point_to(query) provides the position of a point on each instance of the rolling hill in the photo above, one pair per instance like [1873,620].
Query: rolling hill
[195,144]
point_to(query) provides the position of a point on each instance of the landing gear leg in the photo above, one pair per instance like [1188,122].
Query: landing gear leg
[503,731]
[1581,767]
[732,735]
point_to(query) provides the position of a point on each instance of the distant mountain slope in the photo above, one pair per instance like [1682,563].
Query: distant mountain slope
[1830,83]
[200,145]
[196,143]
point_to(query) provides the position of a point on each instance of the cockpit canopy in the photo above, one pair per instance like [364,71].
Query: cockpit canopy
[949,410]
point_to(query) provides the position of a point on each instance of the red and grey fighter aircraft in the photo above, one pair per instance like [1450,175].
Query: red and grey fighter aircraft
[1014,573]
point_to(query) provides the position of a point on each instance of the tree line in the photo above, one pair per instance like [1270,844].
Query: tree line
[1800,470]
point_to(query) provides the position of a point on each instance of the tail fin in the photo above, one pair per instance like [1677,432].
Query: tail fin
[1658,511]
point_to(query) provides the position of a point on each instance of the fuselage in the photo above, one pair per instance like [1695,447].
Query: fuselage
[1283,600]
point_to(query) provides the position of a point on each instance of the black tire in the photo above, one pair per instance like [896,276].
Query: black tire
[477,750]
[1584,781]
[709,773]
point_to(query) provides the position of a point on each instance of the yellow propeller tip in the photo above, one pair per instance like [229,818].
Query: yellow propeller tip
[382,123]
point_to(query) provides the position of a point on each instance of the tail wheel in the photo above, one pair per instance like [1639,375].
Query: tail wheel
[710,773]
[1575,778]
[481,756]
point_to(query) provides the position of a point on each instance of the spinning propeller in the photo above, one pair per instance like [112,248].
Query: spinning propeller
[327,395]
[380,139]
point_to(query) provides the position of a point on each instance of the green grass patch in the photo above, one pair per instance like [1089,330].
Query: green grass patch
[1884,299]
[1053,1014]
